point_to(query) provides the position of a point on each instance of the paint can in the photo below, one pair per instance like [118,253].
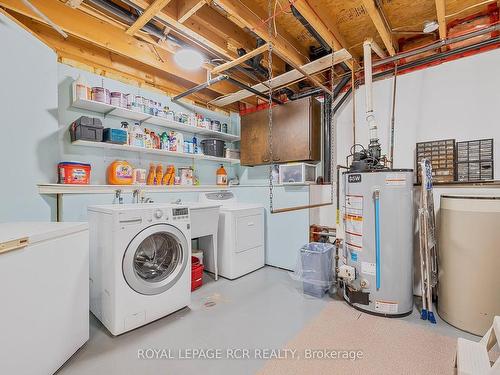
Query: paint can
[100,94]
[116,99]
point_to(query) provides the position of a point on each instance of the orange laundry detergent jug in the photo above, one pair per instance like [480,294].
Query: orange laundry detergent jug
[151,175]
[159,174]
[169,176]
[120,172]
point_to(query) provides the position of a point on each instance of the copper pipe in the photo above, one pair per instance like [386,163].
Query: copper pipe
[296,208]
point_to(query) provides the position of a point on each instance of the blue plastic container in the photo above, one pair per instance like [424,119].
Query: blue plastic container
[118,136]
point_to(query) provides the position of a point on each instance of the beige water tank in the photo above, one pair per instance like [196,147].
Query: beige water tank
[469,262]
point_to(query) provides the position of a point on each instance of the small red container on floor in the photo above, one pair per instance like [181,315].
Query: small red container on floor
[196,273]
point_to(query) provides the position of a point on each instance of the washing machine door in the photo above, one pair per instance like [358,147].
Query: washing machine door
[155,259]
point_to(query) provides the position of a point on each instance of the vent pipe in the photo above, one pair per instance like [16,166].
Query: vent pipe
[368,46]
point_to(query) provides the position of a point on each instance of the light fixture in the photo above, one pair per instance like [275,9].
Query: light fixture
[430,26]
[188,59]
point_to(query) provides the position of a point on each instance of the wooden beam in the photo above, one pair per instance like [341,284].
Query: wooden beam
[148,14]
[314,80]
[328,32]
[441,17]
[74,3]
[186,8]
[245,16]
[240,60]
[377,20]
[198,35]
[112,38]
[109,64]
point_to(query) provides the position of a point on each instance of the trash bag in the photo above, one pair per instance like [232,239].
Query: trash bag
[314,268]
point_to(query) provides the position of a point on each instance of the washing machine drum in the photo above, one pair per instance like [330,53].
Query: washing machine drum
[155,259]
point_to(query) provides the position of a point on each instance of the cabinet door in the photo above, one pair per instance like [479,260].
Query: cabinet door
[254,135]
[296,133]
[291,132]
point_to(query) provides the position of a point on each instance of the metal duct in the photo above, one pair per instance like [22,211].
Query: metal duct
[327,121]
[150,28]
[315,34]
[130,18]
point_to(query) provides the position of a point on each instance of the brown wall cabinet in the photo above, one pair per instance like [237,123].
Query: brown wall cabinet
[296,134]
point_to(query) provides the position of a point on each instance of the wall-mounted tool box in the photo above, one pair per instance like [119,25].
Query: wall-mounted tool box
[442,157]
[475,160]
[86,129]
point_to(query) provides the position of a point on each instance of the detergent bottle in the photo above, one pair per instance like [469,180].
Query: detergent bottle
[125,127]
[136,136]
[159,174]
[120,172]
[151,175]
[164,142]
[221,176]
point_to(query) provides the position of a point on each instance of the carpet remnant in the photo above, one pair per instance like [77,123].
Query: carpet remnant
[388,346]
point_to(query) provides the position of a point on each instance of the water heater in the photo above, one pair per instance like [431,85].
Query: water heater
[378,241]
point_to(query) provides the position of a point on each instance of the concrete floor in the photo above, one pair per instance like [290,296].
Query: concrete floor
[263,310]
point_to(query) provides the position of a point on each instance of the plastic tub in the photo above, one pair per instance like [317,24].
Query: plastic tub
[196,273]
[213,147]
[74,173]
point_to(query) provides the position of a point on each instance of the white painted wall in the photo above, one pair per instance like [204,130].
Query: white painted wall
[28,107]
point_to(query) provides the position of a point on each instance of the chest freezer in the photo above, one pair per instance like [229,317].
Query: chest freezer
[44,294]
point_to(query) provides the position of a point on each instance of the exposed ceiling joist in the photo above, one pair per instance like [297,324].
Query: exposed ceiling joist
[104,35]
[328,32]
[381,27]
[186,8]
[248,18]
[148,14]
[288,78]
[198,35]
[107,63]
[74,3]
[441,17]
[239,60]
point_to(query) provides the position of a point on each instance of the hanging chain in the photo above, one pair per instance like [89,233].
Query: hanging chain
[270,104]
[332,195]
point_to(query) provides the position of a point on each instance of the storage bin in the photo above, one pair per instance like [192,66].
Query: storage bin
[213,147]
[196,273]
[297,173]
[86,129]
[117,136]
[315,268]
[73,173]
[232,153]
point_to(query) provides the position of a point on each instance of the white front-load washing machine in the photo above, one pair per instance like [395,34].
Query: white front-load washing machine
[140,263]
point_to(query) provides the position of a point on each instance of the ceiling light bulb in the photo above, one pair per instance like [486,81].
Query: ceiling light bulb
[188,59]
[430,26]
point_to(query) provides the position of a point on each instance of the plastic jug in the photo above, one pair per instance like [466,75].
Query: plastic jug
[136,136]
[120,172]
[221,176]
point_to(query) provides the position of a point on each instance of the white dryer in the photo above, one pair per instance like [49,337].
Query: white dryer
[241,248]
[140,263]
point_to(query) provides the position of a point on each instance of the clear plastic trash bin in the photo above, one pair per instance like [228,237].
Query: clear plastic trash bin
[314,268]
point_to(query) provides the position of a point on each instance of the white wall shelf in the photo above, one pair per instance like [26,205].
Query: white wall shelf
[110,110]
[154,151]
[46,188]
[110,189]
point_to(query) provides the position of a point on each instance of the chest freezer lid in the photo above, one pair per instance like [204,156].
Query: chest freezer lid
[38,231]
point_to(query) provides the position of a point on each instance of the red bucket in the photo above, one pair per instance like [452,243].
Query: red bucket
[196,273]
